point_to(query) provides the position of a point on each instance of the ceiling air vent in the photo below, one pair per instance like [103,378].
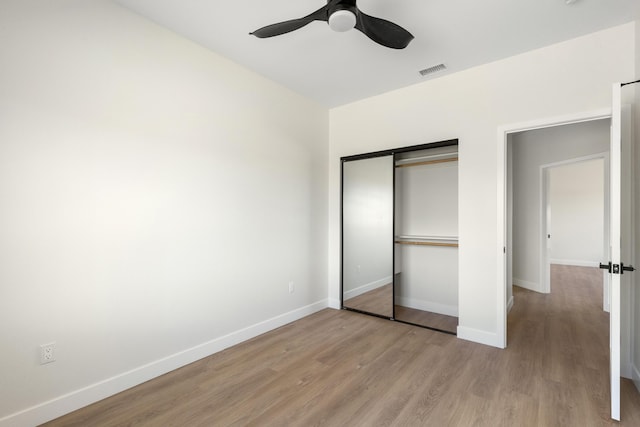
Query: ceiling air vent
[434,69]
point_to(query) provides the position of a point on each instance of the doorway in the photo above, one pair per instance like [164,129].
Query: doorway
[574,217]
[532,156]
[621,231]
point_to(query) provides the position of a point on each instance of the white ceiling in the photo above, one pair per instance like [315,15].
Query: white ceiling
[338,68]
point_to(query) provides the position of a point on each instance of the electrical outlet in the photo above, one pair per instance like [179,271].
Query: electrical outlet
[47,353]
[292,288]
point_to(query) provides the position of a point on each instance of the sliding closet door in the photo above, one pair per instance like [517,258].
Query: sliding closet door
[367,235]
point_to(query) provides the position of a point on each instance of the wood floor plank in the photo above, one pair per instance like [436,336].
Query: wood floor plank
[340,368]
[403,389]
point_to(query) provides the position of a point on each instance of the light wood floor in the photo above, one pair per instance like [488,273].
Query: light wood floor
[339,368]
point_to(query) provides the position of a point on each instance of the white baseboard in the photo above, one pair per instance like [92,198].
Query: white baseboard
[575,262]
[70,402]
[366,288]
[532,286]
[433,307]
[478,336]
[510,304]
[635,376]
[334,303]
[626,370]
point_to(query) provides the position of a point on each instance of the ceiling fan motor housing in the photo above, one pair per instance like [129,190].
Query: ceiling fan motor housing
[342,15]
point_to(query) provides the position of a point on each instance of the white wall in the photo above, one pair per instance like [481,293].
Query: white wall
[428,279]
[566,78]
[576,197]
[427,200]
[531,150]
[155,199]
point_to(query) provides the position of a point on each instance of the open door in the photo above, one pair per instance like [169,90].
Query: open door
[619,235]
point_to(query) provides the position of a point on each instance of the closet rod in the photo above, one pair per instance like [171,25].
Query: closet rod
[428,162]
[413,242]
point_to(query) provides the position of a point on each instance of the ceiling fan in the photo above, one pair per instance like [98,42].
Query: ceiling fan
[343,15]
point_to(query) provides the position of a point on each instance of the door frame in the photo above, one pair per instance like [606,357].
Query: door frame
[501,248]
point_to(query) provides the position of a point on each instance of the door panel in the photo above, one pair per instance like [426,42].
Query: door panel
[621,239]
[614,251]
[367,235]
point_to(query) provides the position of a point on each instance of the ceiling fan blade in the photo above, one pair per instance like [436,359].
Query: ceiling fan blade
[291,25]
[383,32]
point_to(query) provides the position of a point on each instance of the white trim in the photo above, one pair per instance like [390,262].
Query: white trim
[501,254]
[334,303]
[627,227]
[574,262]
[478,336]
[633,331]
[510,304]
[67,403]
[543,231]
[595,156]
[433,307]
[367,287]
[548,122]
[532,286]
[635,376]
[501,170]
[626,370]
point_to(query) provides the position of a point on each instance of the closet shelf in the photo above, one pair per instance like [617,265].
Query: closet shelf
[426,162]
[448,241]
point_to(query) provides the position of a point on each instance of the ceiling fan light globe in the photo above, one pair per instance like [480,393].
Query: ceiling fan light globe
[342,20]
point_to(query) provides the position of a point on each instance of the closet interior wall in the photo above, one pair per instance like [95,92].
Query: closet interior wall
[426,224]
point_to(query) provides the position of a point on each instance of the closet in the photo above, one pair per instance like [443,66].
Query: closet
[399,227]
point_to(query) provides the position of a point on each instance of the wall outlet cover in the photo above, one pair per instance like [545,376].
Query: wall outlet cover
[47,353]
